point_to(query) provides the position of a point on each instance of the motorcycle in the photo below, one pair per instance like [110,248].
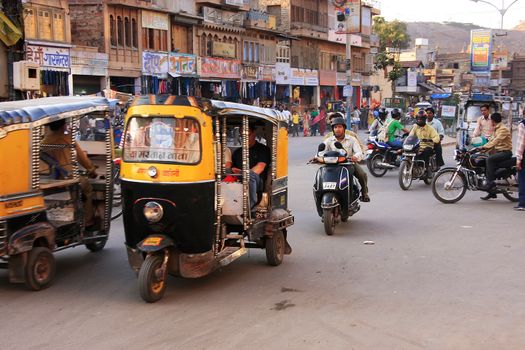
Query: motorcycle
[412,168]
[380,157]
[336,190]
[451,183]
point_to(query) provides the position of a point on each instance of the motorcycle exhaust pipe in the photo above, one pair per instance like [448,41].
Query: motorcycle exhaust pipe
[385,165]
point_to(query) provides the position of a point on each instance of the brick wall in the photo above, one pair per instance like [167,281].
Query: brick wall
[87,25]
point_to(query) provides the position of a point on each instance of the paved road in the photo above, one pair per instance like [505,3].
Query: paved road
[438,277]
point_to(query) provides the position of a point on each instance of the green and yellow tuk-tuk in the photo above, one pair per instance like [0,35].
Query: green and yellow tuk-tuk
[185,213]
[44,196]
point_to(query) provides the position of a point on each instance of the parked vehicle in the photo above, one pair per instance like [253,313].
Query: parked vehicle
[380,157]
[41,199]
[451,183]
[180,215]
[412,168]
[336,190]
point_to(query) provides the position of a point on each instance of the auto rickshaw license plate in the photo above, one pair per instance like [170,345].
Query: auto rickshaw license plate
[152,241]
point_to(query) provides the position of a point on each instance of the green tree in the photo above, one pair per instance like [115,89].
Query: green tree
[393,37]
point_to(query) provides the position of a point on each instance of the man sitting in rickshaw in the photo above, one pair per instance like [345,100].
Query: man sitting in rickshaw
[259,159]
[57,136]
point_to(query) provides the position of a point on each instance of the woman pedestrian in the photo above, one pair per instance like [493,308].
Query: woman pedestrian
[306,123]
[322,121]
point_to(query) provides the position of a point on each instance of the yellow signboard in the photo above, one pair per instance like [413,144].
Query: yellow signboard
[9,33]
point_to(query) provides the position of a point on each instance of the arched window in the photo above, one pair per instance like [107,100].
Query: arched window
[203,45]
[236,43]
[120,31]
[135,33]
[113,34]
[209,45]
[127,29]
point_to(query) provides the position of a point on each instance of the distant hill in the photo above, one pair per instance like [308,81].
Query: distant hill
[452,37]
[520,26]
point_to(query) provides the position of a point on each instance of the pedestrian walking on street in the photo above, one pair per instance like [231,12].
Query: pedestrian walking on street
[520,163]
[306,123]
[295,123]
[322,121]
[314,121]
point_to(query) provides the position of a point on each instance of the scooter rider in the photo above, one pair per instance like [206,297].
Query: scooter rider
[392,129]
[354,152]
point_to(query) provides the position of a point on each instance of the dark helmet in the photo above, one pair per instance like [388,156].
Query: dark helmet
[383,113]
[338,120]
[395,113]
[421,118]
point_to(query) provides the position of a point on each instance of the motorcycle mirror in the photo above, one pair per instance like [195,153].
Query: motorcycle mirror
[338,145]
[321,147]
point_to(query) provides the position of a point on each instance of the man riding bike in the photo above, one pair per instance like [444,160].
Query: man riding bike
[353,151]
[427,136]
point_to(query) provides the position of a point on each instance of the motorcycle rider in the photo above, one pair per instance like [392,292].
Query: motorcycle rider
[392,130]
[484,126]
[379,122]
[427,136]
[500,150]
[353,152]
[436,124]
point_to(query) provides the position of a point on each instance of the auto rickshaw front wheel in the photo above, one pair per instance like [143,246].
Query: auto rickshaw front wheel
[275,247]
[40,268]
[152,281]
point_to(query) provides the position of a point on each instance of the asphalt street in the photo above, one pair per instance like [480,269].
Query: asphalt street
[438,277]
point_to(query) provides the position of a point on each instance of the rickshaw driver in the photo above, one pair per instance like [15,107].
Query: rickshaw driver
[57,136]
[259,158]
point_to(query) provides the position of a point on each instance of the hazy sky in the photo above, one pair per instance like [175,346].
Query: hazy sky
[453,10]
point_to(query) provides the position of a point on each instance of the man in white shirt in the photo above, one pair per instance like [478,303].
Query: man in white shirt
[353,152]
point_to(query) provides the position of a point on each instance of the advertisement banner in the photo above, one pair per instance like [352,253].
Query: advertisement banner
[154,63]
[250,73]
[411,79]
[481,48]
[311,77]
[352,11]
[500,60]
[267,73]
[297,77]
[219,68]
[48,56]
[341,79]
[283,73]
[182,64]
[225,50]
[366,20]
[448,111]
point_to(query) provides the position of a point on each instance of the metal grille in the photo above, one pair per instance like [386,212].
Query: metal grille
[246,173]
[218,184]
[3,237]
[75,122]
[109,181]
[35,157]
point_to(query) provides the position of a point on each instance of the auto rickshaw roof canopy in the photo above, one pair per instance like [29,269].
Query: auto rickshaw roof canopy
[28,111]
[212,107]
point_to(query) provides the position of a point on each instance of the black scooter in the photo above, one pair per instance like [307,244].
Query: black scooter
[336,190]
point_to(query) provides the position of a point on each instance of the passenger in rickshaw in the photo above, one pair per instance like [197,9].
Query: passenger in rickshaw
[56,135]
[259,159]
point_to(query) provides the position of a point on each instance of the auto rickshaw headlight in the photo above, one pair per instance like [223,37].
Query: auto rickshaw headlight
[152,171]
[153,211]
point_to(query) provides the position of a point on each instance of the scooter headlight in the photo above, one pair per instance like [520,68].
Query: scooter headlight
[153,212]
[408,147]
[331,160]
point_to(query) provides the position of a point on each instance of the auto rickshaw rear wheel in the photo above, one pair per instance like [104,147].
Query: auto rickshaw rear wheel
[275,247]
[40,268]
[151,285]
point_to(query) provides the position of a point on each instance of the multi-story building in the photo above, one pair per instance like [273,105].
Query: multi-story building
[135,46]
[518,75]
[11,20]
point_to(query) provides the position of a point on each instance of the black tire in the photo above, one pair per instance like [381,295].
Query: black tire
[444,175]
[329,221]
[371,163]
[96,246]
[427,180]
[405,180]
[40,268]
[274,247]
[151,287]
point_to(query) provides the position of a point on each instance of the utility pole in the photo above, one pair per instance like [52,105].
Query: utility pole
[502,10]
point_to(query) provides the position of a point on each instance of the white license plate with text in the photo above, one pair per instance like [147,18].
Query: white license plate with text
[329,185]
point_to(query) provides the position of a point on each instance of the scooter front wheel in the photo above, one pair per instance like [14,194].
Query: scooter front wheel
[373,165]
[329,221]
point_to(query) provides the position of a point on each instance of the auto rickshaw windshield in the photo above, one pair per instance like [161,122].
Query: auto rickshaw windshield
[162,139]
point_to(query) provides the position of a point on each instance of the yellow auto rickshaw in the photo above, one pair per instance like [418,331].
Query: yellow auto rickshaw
[45,199]
[185,213]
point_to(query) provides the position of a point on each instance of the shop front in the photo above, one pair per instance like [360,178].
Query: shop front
[340,82]
[267,85]
[328,86]
[154,78]
[305,84]
[55,67]
[283,91]
[219,78]
[357,81]
[183,73]
[89,69]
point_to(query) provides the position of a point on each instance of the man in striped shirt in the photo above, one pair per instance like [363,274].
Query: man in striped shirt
[520,163]
[484,126]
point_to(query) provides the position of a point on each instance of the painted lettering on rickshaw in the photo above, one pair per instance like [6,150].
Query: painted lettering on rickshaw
[158,156]
[14,204]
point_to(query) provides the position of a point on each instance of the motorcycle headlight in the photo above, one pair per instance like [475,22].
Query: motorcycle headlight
[153,211]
